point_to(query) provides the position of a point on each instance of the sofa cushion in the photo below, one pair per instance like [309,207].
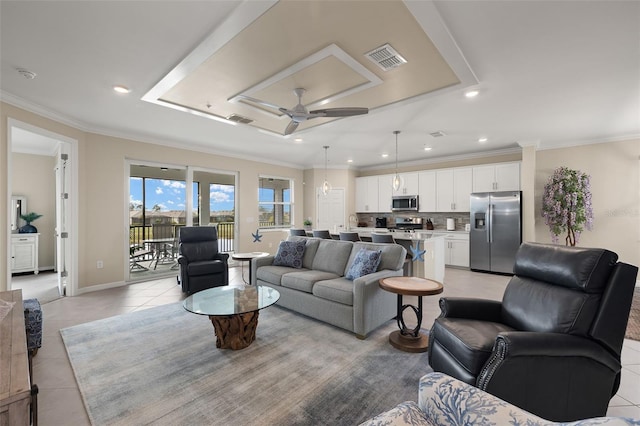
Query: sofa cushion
[290,254]
[338,290]
[392,254]
[332,256]
[366,262]
[304,280]
[309,251]
[273,274]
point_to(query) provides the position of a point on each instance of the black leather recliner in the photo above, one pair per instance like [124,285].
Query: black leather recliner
[201,265]
[552,346]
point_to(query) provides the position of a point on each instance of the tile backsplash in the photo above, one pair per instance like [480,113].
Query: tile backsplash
[439,219]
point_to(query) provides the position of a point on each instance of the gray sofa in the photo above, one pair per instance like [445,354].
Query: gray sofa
[320,290]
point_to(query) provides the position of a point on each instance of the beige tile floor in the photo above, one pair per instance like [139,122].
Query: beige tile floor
[60,402]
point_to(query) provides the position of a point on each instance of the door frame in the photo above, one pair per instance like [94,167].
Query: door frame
[72,262]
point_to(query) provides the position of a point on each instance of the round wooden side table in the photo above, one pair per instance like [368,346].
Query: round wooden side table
[407,339]
[246,257]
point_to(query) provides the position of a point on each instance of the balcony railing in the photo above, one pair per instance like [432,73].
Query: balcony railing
[139,233]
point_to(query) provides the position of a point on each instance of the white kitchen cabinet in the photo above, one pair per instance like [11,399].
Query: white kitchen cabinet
[456,249]
[367,194]
[453,187]
[410,184]
[385,192]
[427,191]
[24,253]
[458,252]
[496,177]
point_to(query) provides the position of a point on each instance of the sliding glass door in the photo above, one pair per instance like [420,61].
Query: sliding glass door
[161,201]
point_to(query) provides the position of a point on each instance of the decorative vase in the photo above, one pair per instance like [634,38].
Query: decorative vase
[28,229]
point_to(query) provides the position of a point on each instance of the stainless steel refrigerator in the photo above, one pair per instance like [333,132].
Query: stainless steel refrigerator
[496,230]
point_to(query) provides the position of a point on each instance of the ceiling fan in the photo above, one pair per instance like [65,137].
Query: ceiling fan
[299,113]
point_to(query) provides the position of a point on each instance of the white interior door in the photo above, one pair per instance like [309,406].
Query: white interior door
[330,210]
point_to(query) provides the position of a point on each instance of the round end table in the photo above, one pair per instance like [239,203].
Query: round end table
[246,257]
[407,339]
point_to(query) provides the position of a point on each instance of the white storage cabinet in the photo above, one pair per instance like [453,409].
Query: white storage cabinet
[24,253]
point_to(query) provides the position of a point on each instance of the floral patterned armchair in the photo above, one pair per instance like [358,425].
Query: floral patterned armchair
[445,401]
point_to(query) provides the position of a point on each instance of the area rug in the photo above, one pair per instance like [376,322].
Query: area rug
[161,366]
[633,326]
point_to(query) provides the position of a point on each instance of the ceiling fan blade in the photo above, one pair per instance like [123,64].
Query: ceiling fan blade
[339,112]
[293,125]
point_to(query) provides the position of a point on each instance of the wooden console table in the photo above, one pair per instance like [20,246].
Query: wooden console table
[15,386]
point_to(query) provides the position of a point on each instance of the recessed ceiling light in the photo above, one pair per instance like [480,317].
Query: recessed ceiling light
[298,140]
[121,89]
[385,155]
[427,148]
[349,160]
[482,140]
[472,93]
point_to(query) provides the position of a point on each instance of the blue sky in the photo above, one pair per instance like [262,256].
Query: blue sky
[170,194]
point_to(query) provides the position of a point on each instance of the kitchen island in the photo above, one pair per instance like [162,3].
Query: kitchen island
[431,266]
[433,245]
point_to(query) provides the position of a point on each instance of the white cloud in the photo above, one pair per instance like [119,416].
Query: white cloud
[218,197]
[223,188]
[174,184]
[132,200]
[170,202]
[159,190]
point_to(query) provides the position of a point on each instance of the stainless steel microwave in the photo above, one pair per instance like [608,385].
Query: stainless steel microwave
[404,203]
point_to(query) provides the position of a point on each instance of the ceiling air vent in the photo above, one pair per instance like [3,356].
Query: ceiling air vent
[239,119]
[386,57]
[437,134]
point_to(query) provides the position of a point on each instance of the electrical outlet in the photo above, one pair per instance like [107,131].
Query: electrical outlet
[270,245]
[99,264]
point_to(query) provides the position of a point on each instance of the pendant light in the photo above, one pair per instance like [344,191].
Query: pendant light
[326,186]
[397,179]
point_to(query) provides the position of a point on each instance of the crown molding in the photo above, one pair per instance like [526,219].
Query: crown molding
[460,157]
[183,145]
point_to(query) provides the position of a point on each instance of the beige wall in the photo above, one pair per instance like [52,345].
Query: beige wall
[33,177]
[338,178]
[615,186]
[102,204]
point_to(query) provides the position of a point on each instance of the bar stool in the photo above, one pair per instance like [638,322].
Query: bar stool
[323,233]
[349,236]
[388,238]
[300,232]
[382,238]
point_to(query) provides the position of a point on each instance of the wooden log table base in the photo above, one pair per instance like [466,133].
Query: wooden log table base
[235,331]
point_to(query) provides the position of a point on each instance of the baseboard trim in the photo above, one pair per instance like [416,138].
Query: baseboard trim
[99,287]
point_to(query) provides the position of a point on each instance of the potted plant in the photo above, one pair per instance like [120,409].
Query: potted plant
[29,228]
[307,224]
[566,204]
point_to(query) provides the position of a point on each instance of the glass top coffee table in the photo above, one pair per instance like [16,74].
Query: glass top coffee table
[233,311]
